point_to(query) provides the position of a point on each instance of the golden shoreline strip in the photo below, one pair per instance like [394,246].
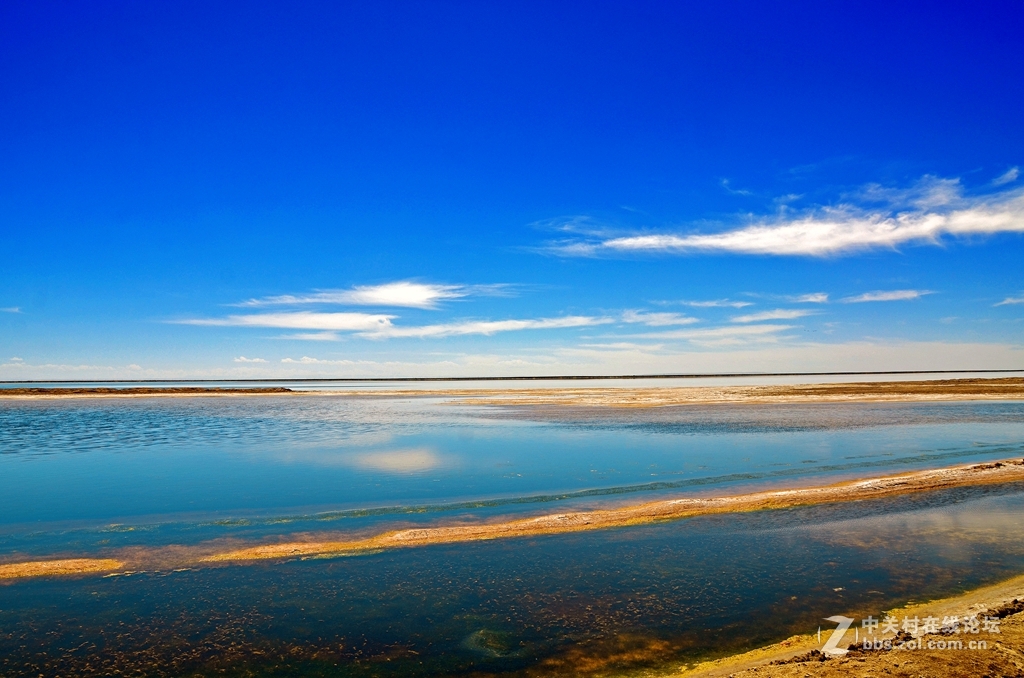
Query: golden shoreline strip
[1006,388]
[671,509]
[52,568]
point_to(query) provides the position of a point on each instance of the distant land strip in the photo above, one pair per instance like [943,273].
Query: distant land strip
[1005,388]
[563,377]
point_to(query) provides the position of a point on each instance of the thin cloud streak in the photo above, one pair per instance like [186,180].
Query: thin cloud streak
[380,326]
[298,320]
[731,332]
[717,303]
[485,327]
[657,319]
[1007,177]
[1010,300]
[11,309]
[893,295]
[404,294]
[924,214]
[777,314]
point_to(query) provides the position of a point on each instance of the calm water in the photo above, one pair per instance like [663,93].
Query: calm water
[97,477]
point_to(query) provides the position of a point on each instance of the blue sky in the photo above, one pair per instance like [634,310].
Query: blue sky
[471,189]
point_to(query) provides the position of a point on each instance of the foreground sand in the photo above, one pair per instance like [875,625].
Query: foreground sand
[798,657]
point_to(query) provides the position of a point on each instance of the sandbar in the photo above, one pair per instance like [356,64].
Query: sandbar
[51,568]
[670,509]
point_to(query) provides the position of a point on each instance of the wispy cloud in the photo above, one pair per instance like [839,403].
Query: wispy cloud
[735,191]
[486,327]
[1007,177]
[716,303]
[11,309]
[657,319]
[777,314]
[405,294]
[1011,300]
[306,360]
[243,359]
[891,295]
[876,217]
[326,326]
[814,298]
[299,320]
[723,336]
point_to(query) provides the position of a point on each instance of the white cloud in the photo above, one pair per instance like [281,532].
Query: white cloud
[892,295]
[11,309]
[485,327]
[1007,177]
[1011,300]
[406,294]
[306,360]
[312,336]
[299,320]
[243,359]
[717,303]
[777,314]
[814,298]
[717,333]
[924,213]
[657,319]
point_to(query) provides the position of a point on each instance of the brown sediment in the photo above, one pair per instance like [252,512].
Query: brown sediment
[800,656]
[1010,388]
[671,509]
[51,568]
[106,392]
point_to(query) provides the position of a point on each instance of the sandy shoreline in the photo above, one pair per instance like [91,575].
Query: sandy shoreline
[799,656]
[1008,388]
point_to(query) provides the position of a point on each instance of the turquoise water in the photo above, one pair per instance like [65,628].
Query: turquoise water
[95,477]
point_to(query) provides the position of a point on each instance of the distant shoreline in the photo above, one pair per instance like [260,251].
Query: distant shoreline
[1004,388]
[571,377]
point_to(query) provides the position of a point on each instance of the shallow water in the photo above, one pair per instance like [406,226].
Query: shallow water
[89,477]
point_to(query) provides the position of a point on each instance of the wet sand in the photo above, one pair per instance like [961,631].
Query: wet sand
[1008,388]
